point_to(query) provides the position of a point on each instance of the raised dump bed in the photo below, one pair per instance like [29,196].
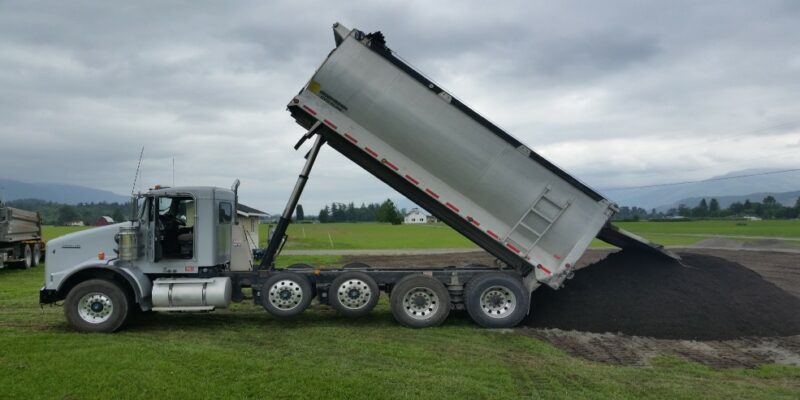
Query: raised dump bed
[406,130]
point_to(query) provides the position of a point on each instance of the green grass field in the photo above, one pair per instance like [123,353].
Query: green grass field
[385,236]
[769,228]
[52,232]
[430,236]
[371,236]
[245,353]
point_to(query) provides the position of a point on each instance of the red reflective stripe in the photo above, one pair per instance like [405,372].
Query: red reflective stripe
[556,256]
[307,108]
[392,166]
[372,152]
[492,234]
[329,123]
[474,222]
[542,267]
[510,246]
[432,193]
[350,138]
[411,178]
[452,207]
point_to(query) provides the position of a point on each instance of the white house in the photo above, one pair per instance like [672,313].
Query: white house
[415,216]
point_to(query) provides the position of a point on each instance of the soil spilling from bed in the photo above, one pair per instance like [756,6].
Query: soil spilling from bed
[706,298]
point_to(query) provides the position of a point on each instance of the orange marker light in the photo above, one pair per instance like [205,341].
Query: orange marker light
[101,256]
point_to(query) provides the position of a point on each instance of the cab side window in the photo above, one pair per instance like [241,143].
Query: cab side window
[175,227]
[225,213]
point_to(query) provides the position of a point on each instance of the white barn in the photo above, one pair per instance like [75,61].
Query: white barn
[415,216]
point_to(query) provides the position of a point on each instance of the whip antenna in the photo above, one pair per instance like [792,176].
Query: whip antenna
[135,177]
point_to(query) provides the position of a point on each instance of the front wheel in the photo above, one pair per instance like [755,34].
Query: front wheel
[497,300]
[96,305]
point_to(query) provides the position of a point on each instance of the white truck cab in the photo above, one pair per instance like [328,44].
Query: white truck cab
[178,234]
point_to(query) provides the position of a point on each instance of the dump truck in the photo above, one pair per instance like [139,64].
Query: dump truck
[20,237]
[385,116]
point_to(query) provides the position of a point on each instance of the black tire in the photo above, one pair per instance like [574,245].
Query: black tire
[96,305]
[37,254]
[300,266]
[356,265]
[27,259]
[497,300]
[353,294]
[420,301]
[286,294]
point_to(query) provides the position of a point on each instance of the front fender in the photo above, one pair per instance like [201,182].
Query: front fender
[141,284]
[138,281]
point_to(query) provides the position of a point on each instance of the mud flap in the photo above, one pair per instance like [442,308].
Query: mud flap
[623,239]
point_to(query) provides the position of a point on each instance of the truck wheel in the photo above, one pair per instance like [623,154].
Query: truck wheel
[37,254]
[27,261]
[497,300]
[420,301]
[353,294]
[96,305]
[286,294]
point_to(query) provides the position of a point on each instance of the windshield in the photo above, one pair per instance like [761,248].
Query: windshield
[143,208]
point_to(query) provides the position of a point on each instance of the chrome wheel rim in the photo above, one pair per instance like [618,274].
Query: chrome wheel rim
[498,302]
[354,294]
[285,294]
[95,308]
[420,303]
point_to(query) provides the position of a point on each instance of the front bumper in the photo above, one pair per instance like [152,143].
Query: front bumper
[47,296]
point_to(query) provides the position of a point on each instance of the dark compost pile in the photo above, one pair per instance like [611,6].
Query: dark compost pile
[706,298]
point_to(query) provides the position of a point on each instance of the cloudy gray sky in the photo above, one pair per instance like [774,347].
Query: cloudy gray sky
[618,93]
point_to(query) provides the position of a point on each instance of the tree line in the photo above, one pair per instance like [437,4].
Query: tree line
[54,213]
[768,208]
[373,212]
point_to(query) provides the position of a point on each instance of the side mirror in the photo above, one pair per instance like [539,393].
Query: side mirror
[235,189]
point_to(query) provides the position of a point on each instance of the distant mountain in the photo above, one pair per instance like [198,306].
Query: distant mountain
[783,187]
[787,199]
[68,194]
[665,197]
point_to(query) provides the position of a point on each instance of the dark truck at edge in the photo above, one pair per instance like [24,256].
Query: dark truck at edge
[20,237]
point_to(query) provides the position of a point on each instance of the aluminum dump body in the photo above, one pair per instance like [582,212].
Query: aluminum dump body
[18,225]
[422,141]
